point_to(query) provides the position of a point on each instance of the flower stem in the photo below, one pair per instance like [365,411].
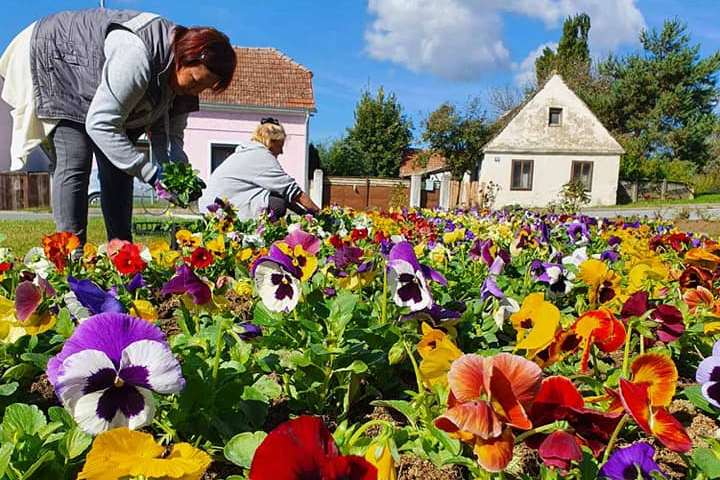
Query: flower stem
[550,427]
[384,297]
[626,354]
[218,350]
[614,437]
[364,427]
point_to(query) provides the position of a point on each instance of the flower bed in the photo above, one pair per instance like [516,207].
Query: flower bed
[432,345]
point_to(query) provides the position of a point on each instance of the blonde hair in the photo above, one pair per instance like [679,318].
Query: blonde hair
[268,132]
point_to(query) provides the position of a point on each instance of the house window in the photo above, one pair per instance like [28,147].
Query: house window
[522,175]
[218,153]
[555,117]
[582,172]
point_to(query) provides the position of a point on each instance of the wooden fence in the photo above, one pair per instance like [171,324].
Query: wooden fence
[639,190]
[20,190]
[363,193]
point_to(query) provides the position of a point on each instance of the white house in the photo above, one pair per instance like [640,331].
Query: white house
[551,139]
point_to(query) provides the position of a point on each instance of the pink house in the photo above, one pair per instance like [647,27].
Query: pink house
[266,83]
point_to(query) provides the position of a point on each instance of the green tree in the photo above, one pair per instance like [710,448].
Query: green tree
[661,102]
[380,135]
[572,58]
[338,158]
[458,135]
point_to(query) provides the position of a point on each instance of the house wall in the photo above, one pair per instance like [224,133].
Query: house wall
[207,127]
[550,173]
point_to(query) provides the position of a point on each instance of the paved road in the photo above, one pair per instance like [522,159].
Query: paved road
[26,215]
[710,211]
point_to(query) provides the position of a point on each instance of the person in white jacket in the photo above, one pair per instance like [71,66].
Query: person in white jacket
[253,180]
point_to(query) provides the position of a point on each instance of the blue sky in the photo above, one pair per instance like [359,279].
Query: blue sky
[425,51]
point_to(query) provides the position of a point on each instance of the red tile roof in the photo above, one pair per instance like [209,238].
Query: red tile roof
[265,77]
[412,165]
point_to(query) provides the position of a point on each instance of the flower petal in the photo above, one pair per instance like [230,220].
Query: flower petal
[477,418]
[495,454]
[523,375]
[559,449]
[27,299]
[708,370]
[164,374]
[78,371]
[555,394]
[469,377]
[670,431]
[635,400]
[659,373]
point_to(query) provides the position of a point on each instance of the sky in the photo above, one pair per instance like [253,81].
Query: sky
[424,51]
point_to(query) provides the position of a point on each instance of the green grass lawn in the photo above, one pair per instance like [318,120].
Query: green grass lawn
[21,235]
[702,198]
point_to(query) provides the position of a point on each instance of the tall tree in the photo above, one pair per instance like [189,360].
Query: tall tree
[572,58]
[380,135]
[458,135]
[662,100]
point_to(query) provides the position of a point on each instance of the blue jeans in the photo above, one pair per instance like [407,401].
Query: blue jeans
[71,164]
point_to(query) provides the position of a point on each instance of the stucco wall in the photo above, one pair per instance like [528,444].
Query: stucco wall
[207,127]
[550,173]
[579,130]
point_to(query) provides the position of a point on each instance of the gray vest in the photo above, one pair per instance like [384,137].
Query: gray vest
[67,59]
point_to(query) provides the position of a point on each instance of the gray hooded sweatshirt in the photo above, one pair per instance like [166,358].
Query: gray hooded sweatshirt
[246,178]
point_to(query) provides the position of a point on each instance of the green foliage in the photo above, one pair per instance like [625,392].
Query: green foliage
[661,100]
[458,135]
[338,158]
[572,58]
[181,180]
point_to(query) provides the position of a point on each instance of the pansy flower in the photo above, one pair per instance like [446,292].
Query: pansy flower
[409,279]
[301,247]
[535,324]
[277,280]
[59,246]
[488,397]
[601,281]
[490,287]
[578,232]
[93,298]
[632,462]
[161,253]
[600,328]
[128,259]
[669,320]
[122,453]
[186,282]
[187,239]
[646,396]
[437,351]
[708,376]
[107,371]
[553,275]
[10,330]
[304,448]
[200,258]
[31,306]
[559,399]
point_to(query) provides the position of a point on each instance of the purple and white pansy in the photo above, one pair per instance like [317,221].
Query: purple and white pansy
[708,376]
[106,373]
[277,280]
[408,279]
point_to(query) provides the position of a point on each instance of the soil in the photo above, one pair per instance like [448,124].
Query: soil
[525,461]
[240,306]
[220,470]
[383,413]
[711,228]
[166,308]
[411,467]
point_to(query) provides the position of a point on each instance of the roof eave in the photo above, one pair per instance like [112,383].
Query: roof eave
[232,107]
[544,151]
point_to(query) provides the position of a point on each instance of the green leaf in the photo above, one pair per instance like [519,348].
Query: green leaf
[268,387]
[40,360]
[75,443]
[241,448]
[64,325]
[695,396]
[19,371]
[59,414]
[264,317]
[8,389]
[21,419]
[401,406]
[6,451]
[357,367]
[707,461]
[341,312]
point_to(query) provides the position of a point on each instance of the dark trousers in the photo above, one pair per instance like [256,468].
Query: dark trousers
[71,164]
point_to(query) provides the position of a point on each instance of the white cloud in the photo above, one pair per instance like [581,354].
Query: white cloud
[462,39]
[525,70]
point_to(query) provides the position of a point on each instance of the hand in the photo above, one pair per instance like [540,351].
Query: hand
[197,194]
[164,194]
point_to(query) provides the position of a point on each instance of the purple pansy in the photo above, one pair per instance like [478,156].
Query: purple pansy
[95,299]
[408,279]
[309,242]
[630,463]
[708,376]
[107,371]
[137,282]
[185,281]
[248,330]
[277,280]
[609,255]
[578,232]
[552,274]
[490,288]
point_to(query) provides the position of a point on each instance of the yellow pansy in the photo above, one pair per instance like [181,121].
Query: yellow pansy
[535,323]
[39,323]
[122,452]
[89,251]
[306,262]
[10,331]
[186,238]
[712,328]
[601,281]
[244,255]
[144,309]
[641,273]
[216,245]
[437,351]
[438,253]
[419,249]
[455,236]
[380,455]
[161,253]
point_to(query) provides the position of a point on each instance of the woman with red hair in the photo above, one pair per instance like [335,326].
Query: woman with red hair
[100,79]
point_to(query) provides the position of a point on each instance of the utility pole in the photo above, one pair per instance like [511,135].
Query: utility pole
[102,3]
